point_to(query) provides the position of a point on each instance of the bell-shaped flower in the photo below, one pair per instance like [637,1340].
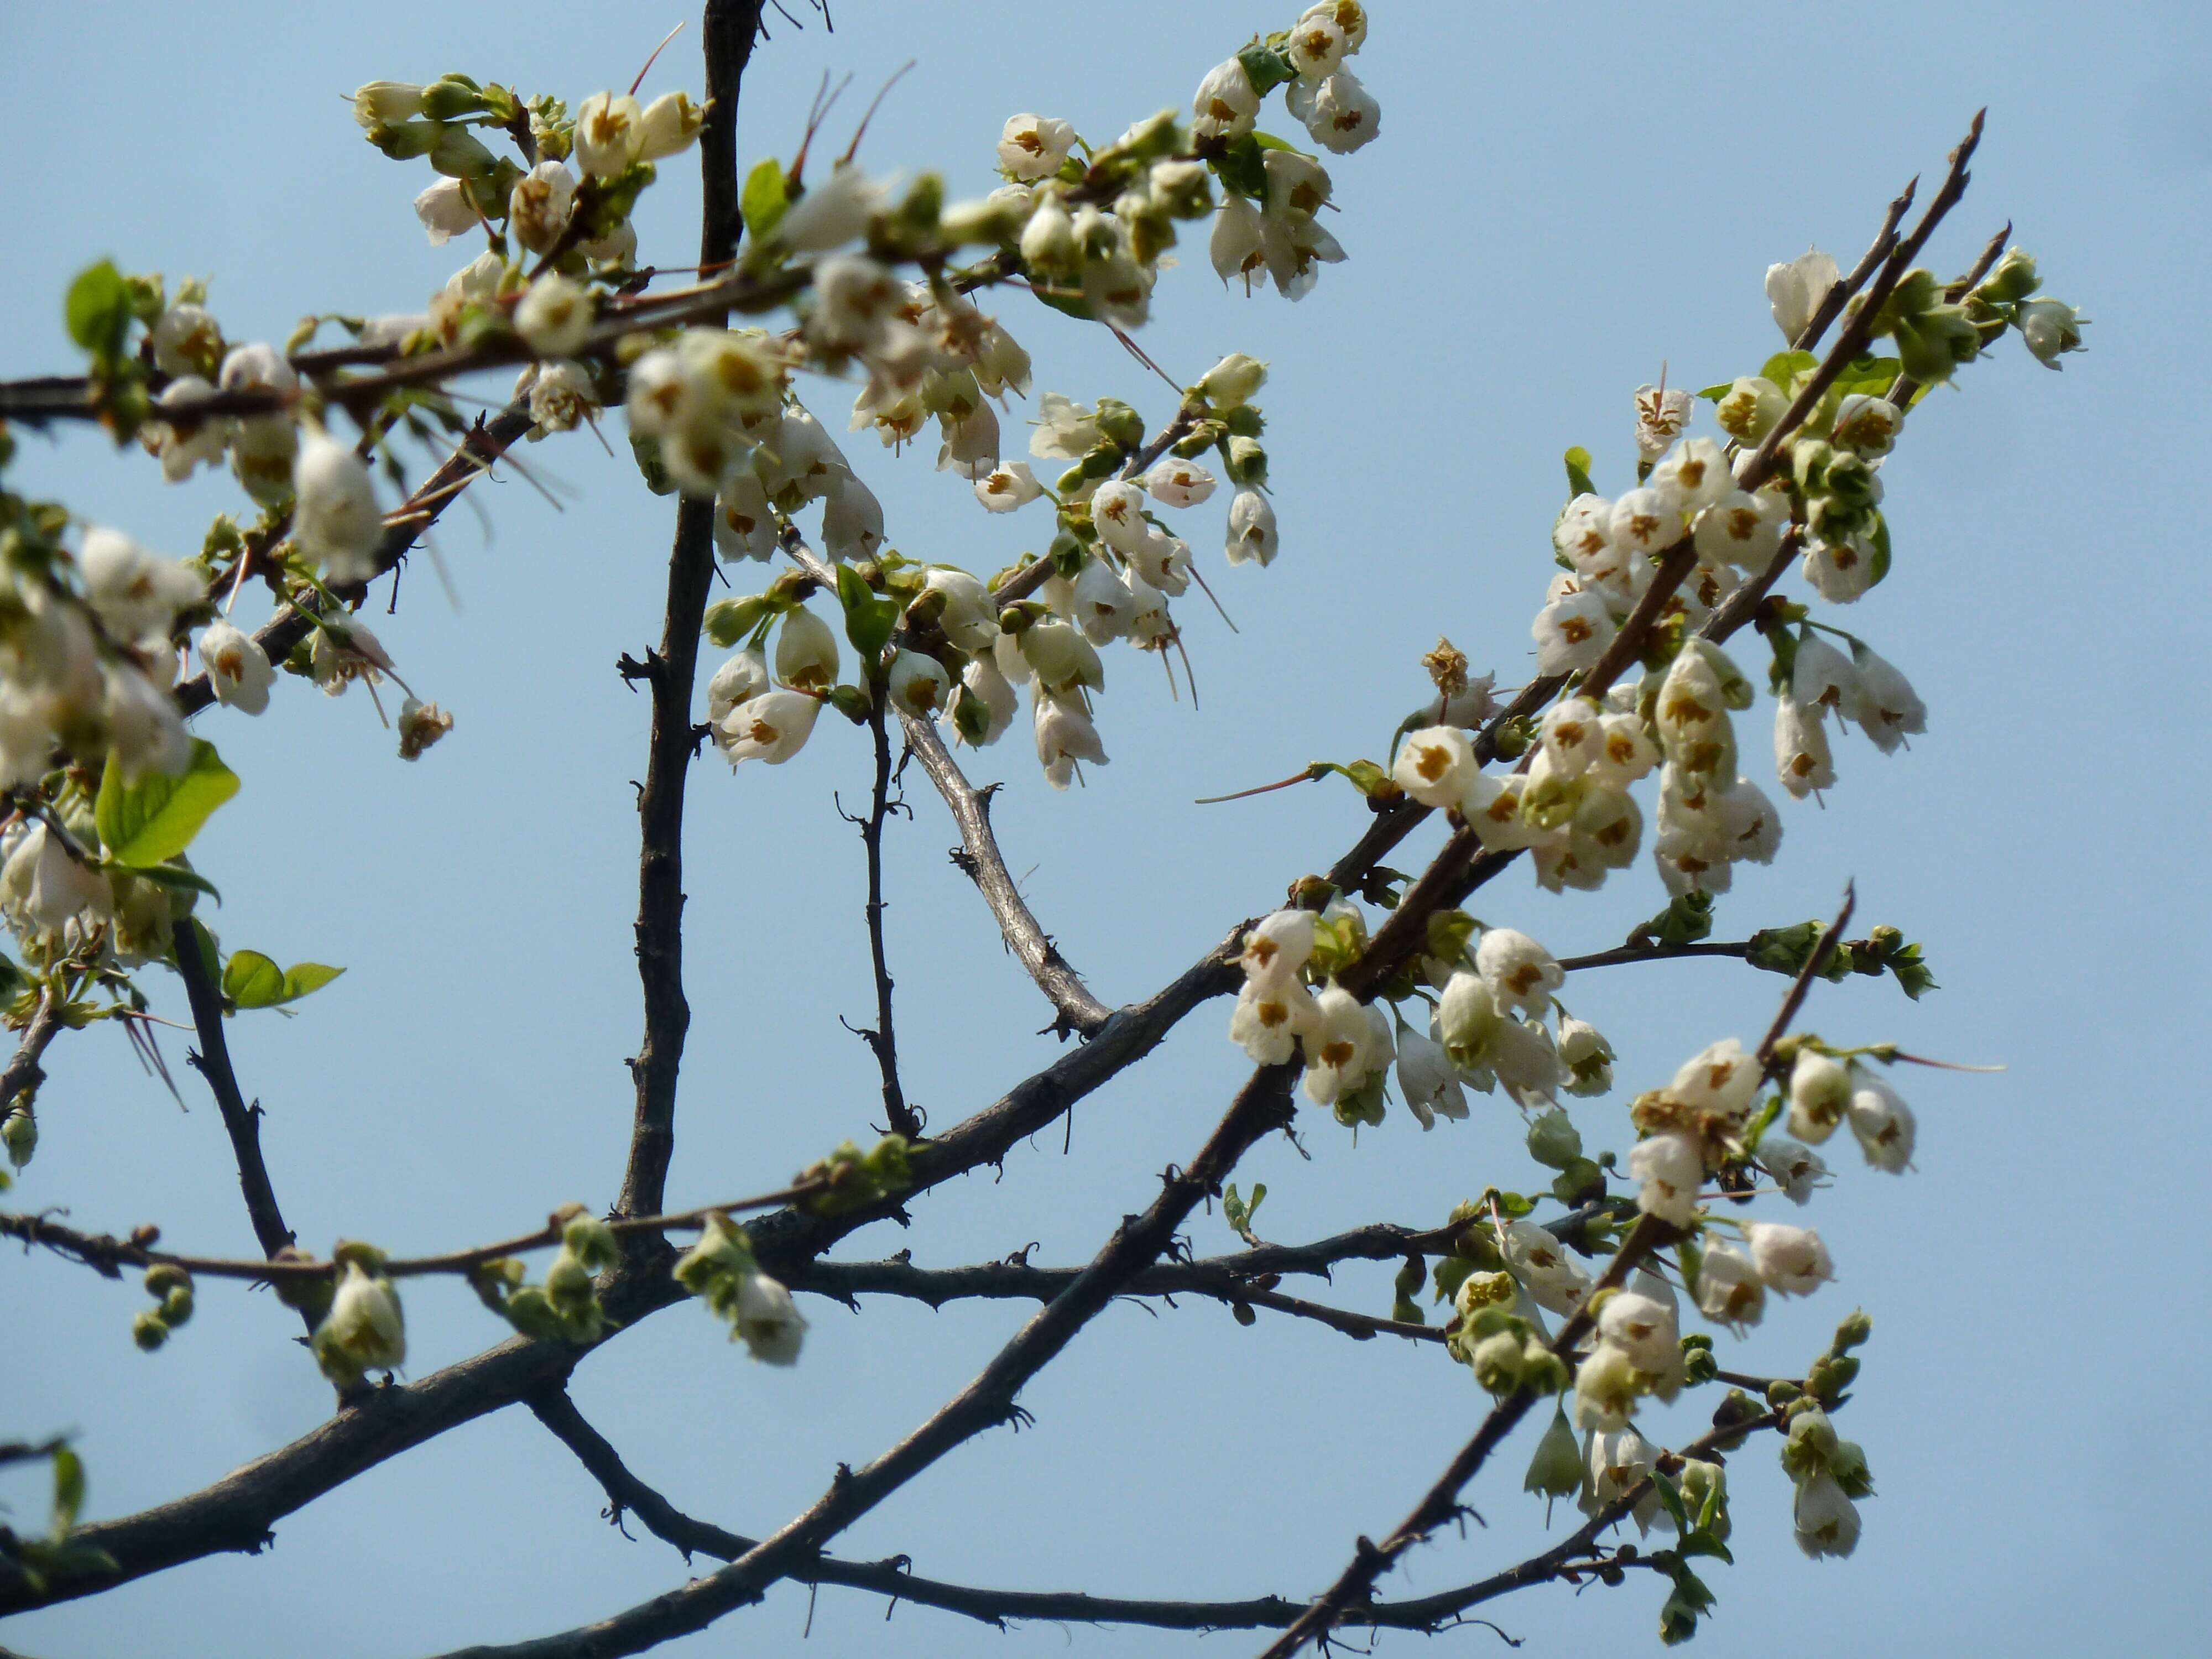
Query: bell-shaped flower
[2051,328]
[1468,1020]
[1671,1167]
[1883,1122]
[851,519]
[1573,735]
[1661,412]
[918,684]
[1572,632]
[1644,521]
[1277,947]
[1060,656]
[1434,765]
[740,679]
[1065,735]
[772,727]
[539,208]
[668,126]
[1520,973]
[1798,1171]
[1270,1017]
[1341,1049]
[335,517]
[1252,535]
[1886,706]
[1827,1521]
[1838,571]
[1224,105]
[1642,1327]
[805,653]
[744,523]
[1587,1056]
[768,1323]
[1100,602]
[1032,147]
[238,668]
[1540,1262]
[1338,113]
[610,133]
[1428,1080]
[969,619]
[446,211]
[984,703]
[832,212]
[1729,1290]
[363,1331]
[1803,758]
[1694,475]
[1719,1078]
[1823,679]
[1065,431]
[1174,482]
[1819,1092]
[1619,1460]
[1794,291]
[136,594]
[1792,1261]
[554,317]
[1523,1059]
[1006,486]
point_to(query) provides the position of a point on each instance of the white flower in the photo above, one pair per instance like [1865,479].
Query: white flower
[421,724]
[187,340]
[1719,1078]
[539,207]
[1625,752]
[1729,1290]
[1644,521]
[1033,146]
[917,682]
[1231,383]
[1522,1059]
[363,1330]
[2052,329]
[1225,104]
[969,619]
[1278,946]
[1827,1521]
[1741,528]
[1552,1279]
[1174,482]
[1823,678]
[1235,245]
[745,524]
[1340,113]
[1341,1049]
[1752,407]
[831,213]
[1618,1460]
[1802,759]
[1434,765]
[1467,1021]
[1866,425]
[1584,530]
[335,519]
[386,103]
[1642,1327]
[1427,1080]
[1661,415]
[1605,1389]
[984,703]
[554,317]
[1587,1056]
[668,125]
[135,595]
[1006,486]
[1886,706]
[1048,243]
[44,886]
[1671,1169]
[1061,658]
[1694,475]
[772,726]
[1573,734]
[1572,632]
[1799,1171]
[1065,430]
[1883,1123]
[740,679]
[610,133]
[1117,509]
[1270,1018]
[1839,572]
[562,396]
[1795,291]
[805,653]
[851,519]
[237,667]
[1819,1090]
[1316,46]
[1251,529]
[1791,1260]
[184,445]
[767,1322]
[1520,973]
[1296,185]
[1065,735]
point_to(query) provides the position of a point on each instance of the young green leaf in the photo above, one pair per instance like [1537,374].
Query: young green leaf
[763,199]
[869,617]
[98,309]
[1578,477]
[153,820]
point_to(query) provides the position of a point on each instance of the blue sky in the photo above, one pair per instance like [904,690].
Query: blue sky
[1561,200]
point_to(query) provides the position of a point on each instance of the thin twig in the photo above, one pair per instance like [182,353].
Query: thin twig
[883,1041]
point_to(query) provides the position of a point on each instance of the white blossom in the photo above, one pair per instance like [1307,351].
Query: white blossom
[1006,486]
[610,133]
[917,682]
[1884,704]
[335,517]
[1642,1327]
[1729,1290]
[1802,759]
[1883,1123]
[1225,104]
[1434,765]
[539,208]
[1174,482]
[554,317]
[668,125]
[1341,1049]
[1572,632]
[1795,291]
[740,679]
[1338,113]
[1791,1260]
[1798,1171]
[772,726]
[1671,1169]
[363,1330]
[805,653]
[237,667]
[1827,1521]
[1065,735]
[1428,1080]
[770,1326]
[1033,146]
[1520,973]
[1819,1091]
[1661,414]
[1252,534]
[1269,1018]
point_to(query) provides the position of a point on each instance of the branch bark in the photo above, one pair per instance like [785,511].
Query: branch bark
[240,1121]
[729,27]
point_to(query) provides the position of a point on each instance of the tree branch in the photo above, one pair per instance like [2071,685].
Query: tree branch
[24,1073]
[882,1041]
[240,1121]
[729,27]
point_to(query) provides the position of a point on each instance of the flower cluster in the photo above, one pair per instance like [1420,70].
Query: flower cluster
[363,1330]
[720,1271]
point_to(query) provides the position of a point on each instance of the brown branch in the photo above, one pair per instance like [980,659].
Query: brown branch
[240,1121]
[24,1073]
[1840,291]
[883,1041]
[729,28]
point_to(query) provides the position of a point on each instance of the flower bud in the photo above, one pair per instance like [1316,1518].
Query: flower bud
[19,1132]
[1553,1140]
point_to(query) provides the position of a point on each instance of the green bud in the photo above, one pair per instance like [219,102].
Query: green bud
[1245,421]
[1703,1487]
[1246,462]
[531,1313]
[176,1306]
[19,1131]
[1809,464]
[2013,278]
[1699,1366]
[1849,1465]
[1581,1181]
[1497,1363]
[493,1281]
[1200,439]
[1542,1371]
[451,98]
[1072,480]
[850,701]
[1553,1140]
[1242,1313]
[728,621]
[1104,459]
[1782,1392]
[403,141]
[592,1243]
[1856,1327]
[1118,424]
[310,1294]
[1556,1470]
[1850,480]
[148,1331]
[164,1277]
[567,1282]
[1150,138]
[459,154]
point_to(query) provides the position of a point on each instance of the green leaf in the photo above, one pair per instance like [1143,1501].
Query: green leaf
[98,309]
[1266,67]
[1714,393]
[1784,367]
[764,199]
[1670,1496]
[1578,477]
[69,1490]
[869,617]
[1067,304]
[1699,1541]
[1871,375]
[153,820]
[176,875]
[1880,563]
[252,981]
